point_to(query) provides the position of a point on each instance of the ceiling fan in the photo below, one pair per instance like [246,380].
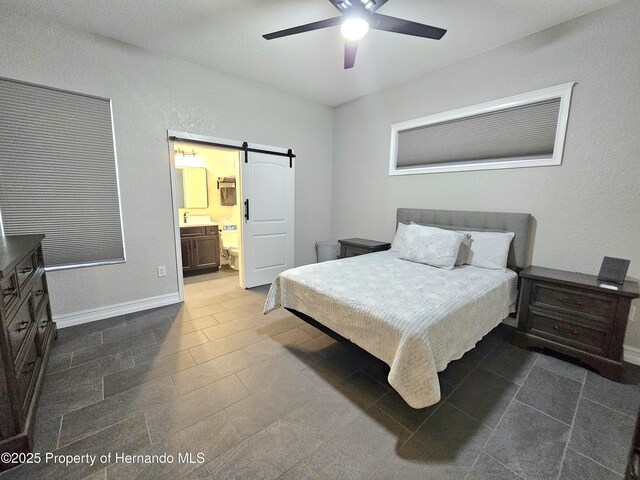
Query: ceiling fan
[356,18]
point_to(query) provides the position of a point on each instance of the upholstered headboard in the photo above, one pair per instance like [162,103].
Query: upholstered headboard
[518,223]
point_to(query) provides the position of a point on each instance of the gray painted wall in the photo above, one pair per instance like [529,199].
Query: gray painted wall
[586,208]
[153,93]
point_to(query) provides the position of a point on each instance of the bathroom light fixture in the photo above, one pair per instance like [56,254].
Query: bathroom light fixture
[184,153]
[354,28]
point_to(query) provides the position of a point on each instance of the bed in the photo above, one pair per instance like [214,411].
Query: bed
[414,317]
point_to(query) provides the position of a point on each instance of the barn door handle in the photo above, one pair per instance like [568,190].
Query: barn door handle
[246,209]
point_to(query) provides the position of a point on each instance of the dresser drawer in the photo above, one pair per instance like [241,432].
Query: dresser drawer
[25,269]
[39,293]
[566,331]
[575,301]
[42,324]
[26,375]
[211,230]
[19,327]
[39,258]
[9,288]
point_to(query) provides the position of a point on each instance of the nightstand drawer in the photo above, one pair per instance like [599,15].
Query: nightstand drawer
[568,332]
[575,301]
[353,252]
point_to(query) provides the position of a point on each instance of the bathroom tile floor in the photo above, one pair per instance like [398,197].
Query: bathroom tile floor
[244,395]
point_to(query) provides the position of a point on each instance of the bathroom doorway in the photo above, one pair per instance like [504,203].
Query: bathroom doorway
[239,194]
[208,209]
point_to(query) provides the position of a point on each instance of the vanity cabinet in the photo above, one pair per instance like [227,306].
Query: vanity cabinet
[200,249]
[26,333]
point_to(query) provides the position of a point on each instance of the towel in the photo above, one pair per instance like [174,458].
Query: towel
[227,191]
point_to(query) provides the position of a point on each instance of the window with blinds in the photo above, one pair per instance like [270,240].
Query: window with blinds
[523,131]
[58,174]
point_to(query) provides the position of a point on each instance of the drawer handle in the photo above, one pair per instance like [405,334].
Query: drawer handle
[26,270]
[565,330]
[7,292]
[30,364]
[571,302]
[22,327]
[39,293]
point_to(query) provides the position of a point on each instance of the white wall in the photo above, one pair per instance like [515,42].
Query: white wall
[153,93]
[586,208]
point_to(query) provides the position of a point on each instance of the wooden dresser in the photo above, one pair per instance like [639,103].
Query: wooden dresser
[573,314]
[352,247]
[25,339]
[200,249]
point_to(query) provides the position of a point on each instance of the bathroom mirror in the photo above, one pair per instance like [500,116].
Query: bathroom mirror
[192,187]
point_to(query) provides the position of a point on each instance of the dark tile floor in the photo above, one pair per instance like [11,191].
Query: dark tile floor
[271,397]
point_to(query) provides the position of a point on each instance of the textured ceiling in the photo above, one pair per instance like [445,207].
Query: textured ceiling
[226,35]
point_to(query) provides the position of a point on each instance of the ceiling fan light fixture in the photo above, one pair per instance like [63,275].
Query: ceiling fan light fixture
[354,28]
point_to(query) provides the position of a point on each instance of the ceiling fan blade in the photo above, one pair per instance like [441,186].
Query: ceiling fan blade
[329,22]
[407,27]
[378,4]
[350,50]
[340,5]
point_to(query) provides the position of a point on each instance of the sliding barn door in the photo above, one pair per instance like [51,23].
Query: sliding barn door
[267,234]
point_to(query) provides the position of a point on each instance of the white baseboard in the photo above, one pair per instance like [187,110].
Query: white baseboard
[100,313]
[631,355]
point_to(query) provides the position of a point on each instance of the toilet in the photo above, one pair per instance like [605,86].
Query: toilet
[229,250]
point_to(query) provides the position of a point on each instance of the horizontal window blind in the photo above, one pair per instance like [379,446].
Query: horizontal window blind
[518,133]
[58,173]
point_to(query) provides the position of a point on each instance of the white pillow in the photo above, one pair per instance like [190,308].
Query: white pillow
[430,245]
[465,246]
[398,240]
[490,249]
[465,249]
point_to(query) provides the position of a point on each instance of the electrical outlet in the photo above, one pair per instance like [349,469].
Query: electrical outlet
[632,314]
[162,271]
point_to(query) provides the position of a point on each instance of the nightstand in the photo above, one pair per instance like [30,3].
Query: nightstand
[572,313]
[352,247]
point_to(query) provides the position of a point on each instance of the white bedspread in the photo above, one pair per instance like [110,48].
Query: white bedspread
[414,317]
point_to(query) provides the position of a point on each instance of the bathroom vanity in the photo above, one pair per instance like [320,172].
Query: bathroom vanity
[200,248]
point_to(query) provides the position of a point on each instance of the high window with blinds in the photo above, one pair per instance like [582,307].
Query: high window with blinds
[522,131]
[58,174]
